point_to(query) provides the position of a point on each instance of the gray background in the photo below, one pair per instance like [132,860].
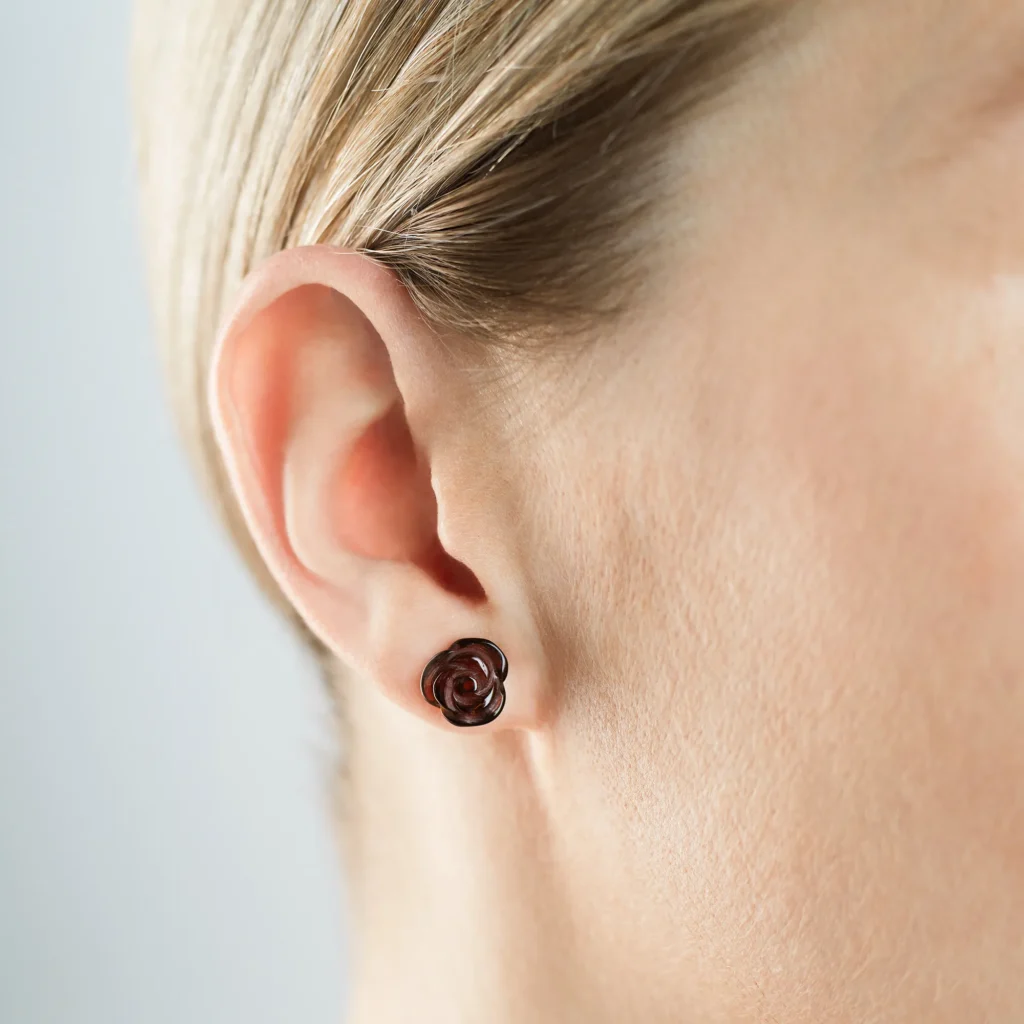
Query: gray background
[165,754]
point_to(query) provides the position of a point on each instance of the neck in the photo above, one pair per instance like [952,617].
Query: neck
[454,897]
[468,903]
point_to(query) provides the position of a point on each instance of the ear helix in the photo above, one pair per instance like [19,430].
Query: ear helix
[467,682]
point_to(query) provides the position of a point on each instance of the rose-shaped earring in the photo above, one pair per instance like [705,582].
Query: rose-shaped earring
[467,682]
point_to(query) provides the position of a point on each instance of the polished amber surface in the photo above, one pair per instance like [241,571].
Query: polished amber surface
[466,682]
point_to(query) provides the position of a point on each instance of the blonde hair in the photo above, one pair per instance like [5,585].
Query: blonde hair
[491,152]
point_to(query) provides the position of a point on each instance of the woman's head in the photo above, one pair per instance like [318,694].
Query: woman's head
[675,347]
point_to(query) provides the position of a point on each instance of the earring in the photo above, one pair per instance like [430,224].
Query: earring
[467,682]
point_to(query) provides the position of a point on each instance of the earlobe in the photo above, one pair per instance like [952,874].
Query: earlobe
[336,487]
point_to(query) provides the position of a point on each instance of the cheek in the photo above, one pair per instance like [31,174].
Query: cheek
[895,456]
[876,810]
[790,616]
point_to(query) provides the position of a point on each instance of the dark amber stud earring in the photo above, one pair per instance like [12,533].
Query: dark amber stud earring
[467,682]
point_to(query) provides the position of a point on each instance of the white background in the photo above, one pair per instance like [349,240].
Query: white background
[165,753]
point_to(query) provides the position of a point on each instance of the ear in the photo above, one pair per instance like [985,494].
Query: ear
[334,475]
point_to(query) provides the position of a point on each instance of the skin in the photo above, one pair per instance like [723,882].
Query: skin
[755,555]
